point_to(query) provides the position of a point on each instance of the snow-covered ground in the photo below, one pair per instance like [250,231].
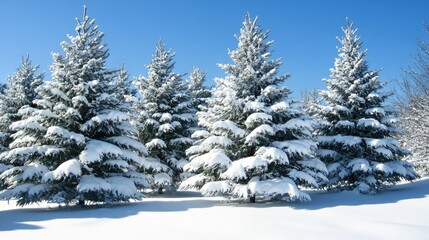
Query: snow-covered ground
[399,213]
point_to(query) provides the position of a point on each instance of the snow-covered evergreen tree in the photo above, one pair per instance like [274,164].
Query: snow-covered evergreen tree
[166,115]
[199,92]
[20,91]
[258,141]
[357,136]
[78,147]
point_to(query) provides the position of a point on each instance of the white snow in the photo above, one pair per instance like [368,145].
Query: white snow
[359,164]
[189,183]
[17,153]
[210,159]
[294,174]
[34,170]
[254,106]
[392,214]
[263,129]
[373,142]
[80,99]
[376,110]
[61,132]
[116,163]
[257,118]
[91,183]
[299,147]
[162,178]
[278,107]
[95,150]
[383,168]
[128,142]
[385,152]
[123,187]
[370,122]
[59,93]
[279,186]
[298,124]
[165,117]
[217,141]
[28,123]
[200,134]
[70,167]
[156,142]
[165,128]
[344,140]
[237,170]
[182,140]
[230,126]
[215,188]
[345,124]
[272,154]
[112,115]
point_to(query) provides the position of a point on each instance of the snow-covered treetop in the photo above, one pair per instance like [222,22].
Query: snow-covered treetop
[352,84]
[21,85]
[252,56]
[198,91]
[84,65]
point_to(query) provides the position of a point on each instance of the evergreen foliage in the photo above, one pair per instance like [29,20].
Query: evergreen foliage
[357,133]
[199,93]
[78,146]
[20,91]
[166,114]
[257,143]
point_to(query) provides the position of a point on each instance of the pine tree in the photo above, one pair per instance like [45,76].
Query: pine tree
[165,114]
[357,136]
[258,141]
[79,146]
[20,92]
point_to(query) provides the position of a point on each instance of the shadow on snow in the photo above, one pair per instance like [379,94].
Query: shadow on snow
[324,199]
[19,218]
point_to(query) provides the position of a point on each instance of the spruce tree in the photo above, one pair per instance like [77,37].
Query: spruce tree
[199,93]
[165,113]
[20,91]
[257,143]
[357,135]
[79,146]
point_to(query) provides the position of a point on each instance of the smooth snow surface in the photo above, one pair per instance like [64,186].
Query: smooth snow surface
[399,213]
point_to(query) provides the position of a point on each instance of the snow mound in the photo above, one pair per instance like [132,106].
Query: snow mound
[230,126]
[67,168]
[237,170]
[95,150]
[156,143]
[63,133]
[257,118]
[216,157]
[282,188]
[89,183]
[215,188]
[272,154]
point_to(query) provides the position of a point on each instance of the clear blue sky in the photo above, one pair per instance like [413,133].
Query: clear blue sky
[201,31]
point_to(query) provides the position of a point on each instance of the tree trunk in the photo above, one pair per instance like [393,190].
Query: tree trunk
[252,199]
[81,203]
[160,190]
